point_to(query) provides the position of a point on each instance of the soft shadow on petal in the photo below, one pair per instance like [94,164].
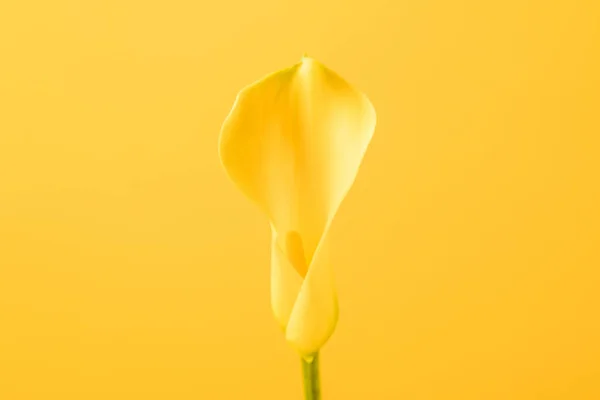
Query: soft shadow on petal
[315,312]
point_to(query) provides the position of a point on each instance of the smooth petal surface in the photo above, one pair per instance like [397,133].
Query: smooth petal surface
[293,143]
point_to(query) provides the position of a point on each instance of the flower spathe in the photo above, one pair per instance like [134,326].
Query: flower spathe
[293,143]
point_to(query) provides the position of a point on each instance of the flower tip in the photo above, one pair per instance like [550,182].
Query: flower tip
[305,64]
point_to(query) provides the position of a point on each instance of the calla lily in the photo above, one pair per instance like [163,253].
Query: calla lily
[293,143]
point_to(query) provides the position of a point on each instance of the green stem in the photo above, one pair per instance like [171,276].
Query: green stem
[312,384]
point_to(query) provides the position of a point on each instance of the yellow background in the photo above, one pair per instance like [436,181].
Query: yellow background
[467,253]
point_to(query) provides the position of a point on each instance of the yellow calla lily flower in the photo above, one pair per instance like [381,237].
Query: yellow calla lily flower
[293,143]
